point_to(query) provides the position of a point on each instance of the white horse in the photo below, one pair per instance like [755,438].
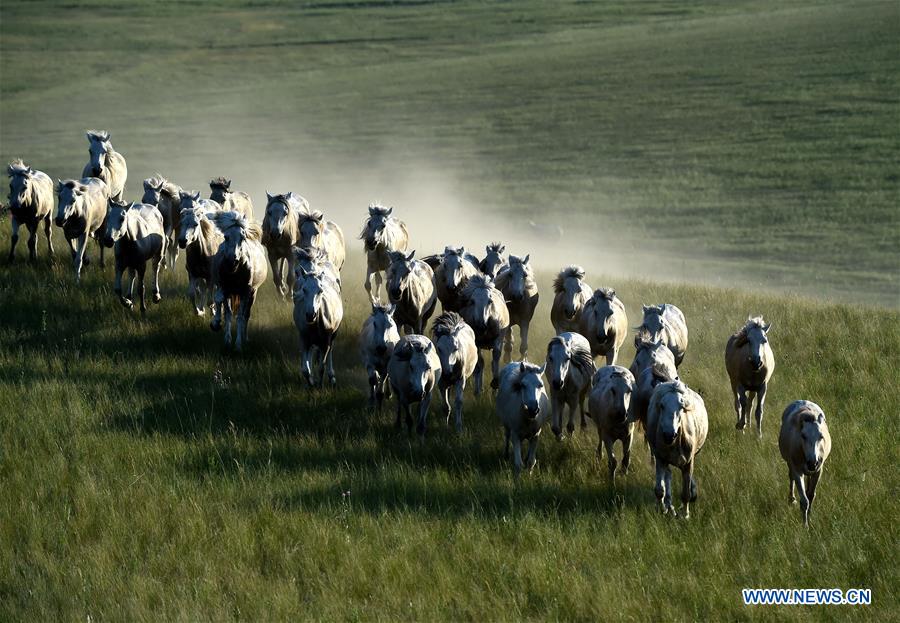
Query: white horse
[30,204]
[656,365]
[81,212]
[455,343]
[805,443]
[410,286]
[750,363]
[570,368]
[309,260]
[493,261]
[318,311]
[609,406]
[233,201]
[522,406]
[377,340]
[666,322]
[319,233]
[200,239]
[520,290]
[485,311]
[676,430]
[239,268]
[166,196]
[571,293]
[413,371]
[280,233]
[106,163]
[604,323]
[191,199]
[450,277]
[137,233]
[381,235]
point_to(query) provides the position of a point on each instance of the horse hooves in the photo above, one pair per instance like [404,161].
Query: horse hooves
[157,298]
[127,303]
[495,383]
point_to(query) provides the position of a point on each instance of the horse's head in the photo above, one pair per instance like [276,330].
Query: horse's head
[277,212]
[569,283]
[493,260]
[70,193]
[530,387]
[99,148]
[153,188]
[189,228]
[219,187]
[308,296]
[519,272]
[398,273]
[755,335]
[420,372]
[383,326]
[373,231]
[603,309]
[312,226]
[559,356]
[453,261]
[672,406]
[654,322]
[20,181]
[116,222]
[812,438]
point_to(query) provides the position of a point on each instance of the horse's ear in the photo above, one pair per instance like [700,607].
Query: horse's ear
[269,197]
[412,254]
[645,308]
[526,258]
[196,196]
[502,249]
[390,210]
[821,419]
[429,347]
[521,367]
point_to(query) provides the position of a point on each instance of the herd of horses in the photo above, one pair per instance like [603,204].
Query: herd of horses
[482,299]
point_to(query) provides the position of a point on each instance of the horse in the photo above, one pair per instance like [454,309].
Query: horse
[452,273]
[377,340]
[604,323]
[318,233]
[493,261]
[410,286]
[666,322]
[280,233]
[609,405]
[381,234]
[455,343]
[233,201]
[570,368]
[520,290]
[522,406]
[750,363]
[191,199]
[81,212]
[106,163]
[677,426]
[318,311]
[166,196]
[138,235]
[200,239]
[805,443]
[239,268]
[655,364]
[30,204]
[413,371]
[570,295]
[485,311]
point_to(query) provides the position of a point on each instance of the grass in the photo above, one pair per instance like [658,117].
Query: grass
[149,475]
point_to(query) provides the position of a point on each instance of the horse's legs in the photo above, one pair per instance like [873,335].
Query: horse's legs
[760,401]
[495,365]
[140,275]
[797,478]
[740,406]
[813,482]
[15,238]
[157,297]
[368,285]
[193,288]
[517,455]
[80,245]
[610,443]
[626,448]
[102,263]
[508,344]
[748,408]
[506,444]
[479,374]
[458,405]
[688,487]
[306,363]
[523,338]
[531,461]
[378,283]
[573,407]
[445,397]
[226,303]
[398,423]
[423,414]
[581,399]
[246,307]
[117,288]
[329,359]
[32,242]
[290,278]
[556,414]
[48,233]
[275,261]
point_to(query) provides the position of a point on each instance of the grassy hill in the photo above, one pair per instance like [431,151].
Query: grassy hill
[148,474]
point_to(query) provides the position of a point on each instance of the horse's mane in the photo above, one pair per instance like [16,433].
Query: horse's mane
[375,209]
[753,322]
[475,283]
[567,272]
[503,277]
[220,182]
[17,167]
[227,219]
[306,216]
[663,371]
[412,344]
[447,324]
[496,247]
[173,191]
[98,135]
[67,184]
[309,254]
[581,357]
[517,372]
[644,340]
[675,387]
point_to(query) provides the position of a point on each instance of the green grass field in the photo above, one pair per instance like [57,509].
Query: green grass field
[731,158]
